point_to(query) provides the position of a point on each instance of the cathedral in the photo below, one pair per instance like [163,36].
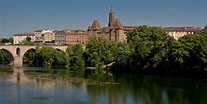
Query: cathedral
[114,32]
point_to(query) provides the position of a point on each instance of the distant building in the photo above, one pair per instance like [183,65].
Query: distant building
[60,37]
[48,37]
[76,37]
[18,38]
[114,32]
[42,36]
[178,32]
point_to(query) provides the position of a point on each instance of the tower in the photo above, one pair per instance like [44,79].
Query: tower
[111,17]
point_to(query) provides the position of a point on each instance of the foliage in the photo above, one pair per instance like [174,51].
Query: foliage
[51,57]
[123,57]
[99,51]
[4,57]
[7,40]
[150,46]
[27,41]
[75,56]
[29,57]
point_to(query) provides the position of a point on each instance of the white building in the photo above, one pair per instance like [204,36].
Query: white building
[18,38]
[178,32]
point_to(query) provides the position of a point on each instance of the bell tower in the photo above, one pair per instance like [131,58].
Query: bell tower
[111,17]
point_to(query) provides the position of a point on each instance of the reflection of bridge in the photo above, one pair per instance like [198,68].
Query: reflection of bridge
[16,52]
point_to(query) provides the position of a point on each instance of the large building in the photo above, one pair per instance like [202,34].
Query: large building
[115,31]
[18,38]
[178,32]
[76,37]
[44,36]
[60,37]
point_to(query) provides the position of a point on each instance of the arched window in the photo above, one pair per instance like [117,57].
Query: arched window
[18,51]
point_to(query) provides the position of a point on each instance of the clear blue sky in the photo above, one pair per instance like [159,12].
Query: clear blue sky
[28,15]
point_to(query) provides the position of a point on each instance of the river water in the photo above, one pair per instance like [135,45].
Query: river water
[27,85]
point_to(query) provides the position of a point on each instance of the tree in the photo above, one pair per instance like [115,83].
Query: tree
[150,46]
[195,45]
[123,56]
[75,56]
[29,57]
[5,40]
[99,51]
[4,57]
[28,39]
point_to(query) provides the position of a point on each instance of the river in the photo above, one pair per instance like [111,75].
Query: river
[33,85]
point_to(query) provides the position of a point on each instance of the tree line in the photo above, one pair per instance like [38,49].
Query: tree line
[148,50]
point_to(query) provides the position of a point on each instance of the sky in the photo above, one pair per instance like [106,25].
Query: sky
[17,16]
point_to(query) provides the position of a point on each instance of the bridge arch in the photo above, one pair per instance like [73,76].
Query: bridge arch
[24,51]
[11,57]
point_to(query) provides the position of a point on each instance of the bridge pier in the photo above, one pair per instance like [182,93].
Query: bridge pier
[17,61]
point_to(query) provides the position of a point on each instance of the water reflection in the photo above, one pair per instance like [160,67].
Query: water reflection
[51,87]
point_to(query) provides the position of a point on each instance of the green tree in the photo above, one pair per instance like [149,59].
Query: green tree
[5,40]
[4,57]
[195,45]
[29,57]
[27,41]
[75,56]
[46,55]
[99,51]
[123,57]
[150,47]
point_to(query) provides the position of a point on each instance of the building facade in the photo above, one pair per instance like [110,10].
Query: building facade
[114,32]
[42,36]
[76,37]
[18,38]
[178,32]
[60,37]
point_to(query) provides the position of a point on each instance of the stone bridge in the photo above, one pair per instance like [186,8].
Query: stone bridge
[16,52]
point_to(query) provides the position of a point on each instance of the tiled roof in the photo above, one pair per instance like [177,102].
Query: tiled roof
[75,33]
[24,34]
[95,25]
[187,29]
[117,23]
[38,30]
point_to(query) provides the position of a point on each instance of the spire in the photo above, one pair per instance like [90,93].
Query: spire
[112,10]
[117,23]
[111,17]
[89,28]
[95,25]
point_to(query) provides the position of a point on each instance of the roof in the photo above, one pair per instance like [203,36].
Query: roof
[75,33]
[187,29]
[38,30]
[117,23]
[24,34]
[105,29]
[95,25]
